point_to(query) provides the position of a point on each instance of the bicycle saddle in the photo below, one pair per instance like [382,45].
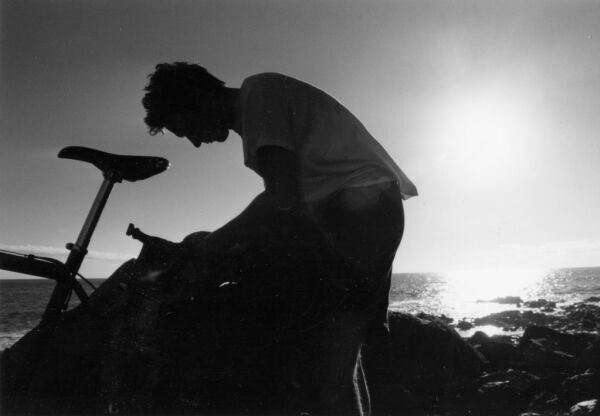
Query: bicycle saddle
[118,167]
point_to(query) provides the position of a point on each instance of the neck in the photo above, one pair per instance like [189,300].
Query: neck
[230,96]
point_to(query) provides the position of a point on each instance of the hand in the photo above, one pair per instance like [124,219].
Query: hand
[237,249]
[210,244]
[213,243]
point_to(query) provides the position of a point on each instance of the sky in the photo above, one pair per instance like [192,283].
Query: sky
[491,108]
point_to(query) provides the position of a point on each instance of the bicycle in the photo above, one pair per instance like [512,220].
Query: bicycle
[115,169]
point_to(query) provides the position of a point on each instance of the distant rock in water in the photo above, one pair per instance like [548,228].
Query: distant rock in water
[541,303]
[464,325]
[575,317]
[505,300]
[512,320]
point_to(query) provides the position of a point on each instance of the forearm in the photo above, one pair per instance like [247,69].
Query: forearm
[277,167]
[241,228]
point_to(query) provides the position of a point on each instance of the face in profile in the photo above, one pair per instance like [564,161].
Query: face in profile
[197,129]
[206,124]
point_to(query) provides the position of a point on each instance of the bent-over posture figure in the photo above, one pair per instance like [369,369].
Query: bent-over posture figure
[316,159]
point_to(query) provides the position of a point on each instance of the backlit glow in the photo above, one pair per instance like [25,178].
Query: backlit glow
[485,133]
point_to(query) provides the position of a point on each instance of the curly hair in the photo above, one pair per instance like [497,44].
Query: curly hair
[175,87]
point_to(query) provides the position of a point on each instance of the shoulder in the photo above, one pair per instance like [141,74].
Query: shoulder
[267,80]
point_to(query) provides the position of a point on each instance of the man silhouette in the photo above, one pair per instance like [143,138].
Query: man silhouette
[315,159]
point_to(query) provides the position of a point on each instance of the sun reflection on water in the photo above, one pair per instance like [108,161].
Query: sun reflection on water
[476,293]
[467,291]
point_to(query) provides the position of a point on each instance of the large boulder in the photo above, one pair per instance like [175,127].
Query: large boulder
[574,344]
[498,350]
[547,350]
[425,357]
[505,392]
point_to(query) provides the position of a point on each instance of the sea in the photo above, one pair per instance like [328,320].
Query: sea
[458,295]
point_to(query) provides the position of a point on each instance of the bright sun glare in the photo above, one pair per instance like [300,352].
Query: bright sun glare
[485,133]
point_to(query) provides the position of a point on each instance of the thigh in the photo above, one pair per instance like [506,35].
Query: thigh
[366,225]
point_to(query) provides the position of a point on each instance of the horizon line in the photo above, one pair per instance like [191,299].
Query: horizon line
[508,269]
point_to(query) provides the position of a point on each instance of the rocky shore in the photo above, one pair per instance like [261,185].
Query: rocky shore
[551,369]
[423,368]
[184,346]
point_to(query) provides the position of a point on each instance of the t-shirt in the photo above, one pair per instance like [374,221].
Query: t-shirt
[333,149]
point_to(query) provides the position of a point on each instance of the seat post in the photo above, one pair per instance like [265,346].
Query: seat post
[85,235]
[66,283]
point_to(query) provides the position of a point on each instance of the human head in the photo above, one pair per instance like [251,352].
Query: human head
[180,89]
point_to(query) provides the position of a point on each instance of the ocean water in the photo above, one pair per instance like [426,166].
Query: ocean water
[22,303]
[466,294]
[457,295]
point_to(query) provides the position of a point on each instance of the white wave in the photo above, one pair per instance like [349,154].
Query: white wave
[59,251]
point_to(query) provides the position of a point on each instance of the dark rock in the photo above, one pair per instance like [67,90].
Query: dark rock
[464,325]
[593,299]
[540,303]
[395,396]
[535,357]
[445,319]
[505,391]
[581,387]
[545,403]
[579,317]
[590,357]
[512,320]
[425,356]
[585,347]
[588,407]
[582,317]
[520,380]
[506,300]
[499,352]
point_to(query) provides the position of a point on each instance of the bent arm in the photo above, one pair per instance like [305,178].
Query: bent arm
[278,168]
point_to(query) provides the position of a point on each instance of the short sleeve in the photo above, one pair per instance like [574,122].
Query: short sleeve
[266,119]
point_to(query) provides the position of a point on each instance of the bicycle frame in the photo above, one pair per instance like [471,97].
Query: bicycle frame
[65,274]
[68,281]
[115,168]
[31,265]
[38,348]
